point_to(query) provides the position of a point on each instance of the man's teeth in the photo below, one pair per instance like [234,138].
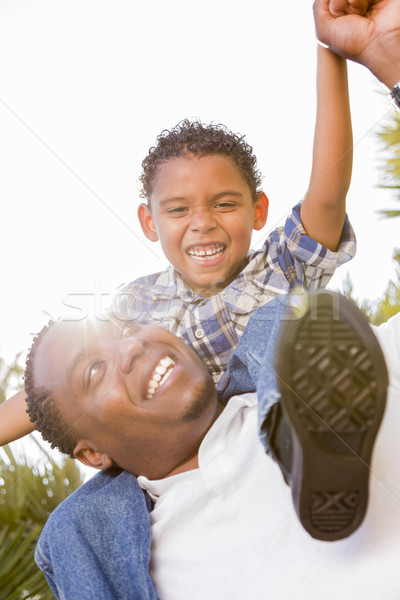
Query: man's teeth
[159,376]
[204,254]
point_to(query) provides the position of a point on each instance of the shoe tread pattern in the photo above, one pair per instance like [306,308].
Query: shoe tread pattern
[334,378]
[333,512]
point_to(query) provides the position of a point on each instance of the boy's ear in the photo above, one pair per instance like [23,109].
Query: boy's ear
[147,223]
[90,457]
[260,211]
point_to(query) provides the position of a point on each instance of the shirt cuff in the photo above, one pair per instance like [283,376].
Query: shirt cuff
[310,252]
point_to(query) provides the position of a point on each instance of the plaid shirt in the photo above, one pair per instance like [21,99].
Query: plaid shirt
[289,259]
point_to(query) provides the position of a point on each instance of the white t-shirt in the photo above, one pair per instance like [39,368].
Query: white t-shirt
[388,335]
[228,530]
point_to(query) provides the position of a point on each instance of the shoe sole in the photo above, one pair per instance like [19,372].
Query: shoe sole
[333,381]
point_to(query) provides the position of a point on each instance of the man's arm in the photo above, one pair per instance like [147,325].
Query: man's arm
[371,38]
[14,421]
[324,206]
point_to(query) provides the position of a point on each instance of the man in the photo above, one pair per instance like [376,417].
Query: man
[222,523]
[283,560]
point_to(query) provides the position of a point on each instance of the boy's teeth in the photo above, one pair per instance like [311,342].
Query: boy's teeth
[159,376]
[201,252]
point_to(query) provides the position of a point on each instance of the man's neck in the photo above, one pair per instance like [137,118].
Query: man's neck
[189,465]
[192,462]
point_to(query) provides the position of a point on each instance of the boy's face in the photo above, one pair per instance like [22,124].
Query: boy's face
[141,396]
[203,213]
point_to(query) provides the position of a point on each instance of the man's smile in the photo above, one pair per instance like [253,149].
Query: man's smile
[159,376]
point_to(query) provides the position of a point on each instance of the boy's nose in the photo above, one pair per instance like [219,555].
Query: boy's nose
[202,222]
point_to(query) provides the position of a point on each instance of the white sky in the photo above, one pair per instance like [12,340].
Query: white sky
[85,87]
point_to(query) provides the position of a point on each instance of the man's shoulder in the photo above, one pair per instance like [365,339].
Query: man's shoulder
[100,491]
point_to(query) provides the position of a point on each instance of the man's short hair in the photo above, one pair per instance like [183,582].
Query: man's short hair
[42,407]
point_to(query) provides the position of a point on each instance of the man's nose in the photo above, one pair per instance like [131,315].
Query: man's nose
[203,222]
[129,350]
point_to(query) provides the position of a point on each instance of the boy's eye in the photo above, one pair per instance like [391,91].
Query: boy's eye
[226,205]
[178,210]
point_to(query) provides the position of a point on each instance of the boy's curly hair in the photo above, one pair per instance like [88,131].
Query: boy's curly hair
[42,406]
[192,137]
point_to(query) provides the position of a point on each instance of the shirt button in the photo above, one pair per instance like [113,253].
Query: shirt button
[199,333]
[217,377]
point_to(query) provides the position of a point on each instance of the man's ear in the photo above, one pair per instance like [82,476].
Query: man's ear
[147,223]
[90,457]
[260,211]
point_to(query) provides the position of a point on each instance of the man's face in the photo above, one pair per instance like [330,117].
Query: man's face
[136,393]
[203,213]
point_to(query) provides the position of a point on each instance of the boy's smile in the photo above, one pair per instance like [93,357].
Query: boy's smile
[203,213]
[138,394]
[206,253]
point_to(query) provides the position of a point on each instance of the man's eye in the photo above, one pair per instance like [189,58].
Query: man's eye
[93,370]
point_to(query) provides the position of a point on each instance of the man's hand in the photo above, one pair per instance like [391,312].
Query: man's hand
[366,31]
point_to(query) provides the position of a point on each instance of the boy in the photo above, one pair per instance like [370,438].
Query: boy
[204,201]
[218,529]
[204,198]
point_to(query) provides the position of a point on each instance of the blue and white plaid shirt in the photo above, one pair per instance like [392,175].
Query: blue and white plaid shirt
[289,259]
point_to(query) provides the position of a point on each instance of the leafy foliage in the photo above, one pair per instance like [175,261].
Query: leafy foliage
[380,310]
[389,304]
[10,377]
[390,136]
[29,491]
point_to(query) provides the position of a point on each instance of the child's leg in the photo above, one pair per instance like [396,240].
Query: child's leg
[332,378]
[251,367]
[339,374]
[96,544]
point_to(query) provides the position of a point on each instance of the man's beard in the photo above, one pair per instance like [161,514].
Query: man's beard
[204,394]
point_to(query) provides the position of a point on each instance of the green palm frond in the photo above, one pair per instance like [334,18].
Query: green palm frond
[389,304]
[390,138]
[388,213]
[19,576]
[33,491]
[10,377]
[28,494]
[367,306]
[380,310]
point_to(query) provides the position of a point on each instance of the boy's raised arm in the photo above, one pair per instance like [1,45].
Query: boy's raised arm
[368,32]
[324,206]
[14,421]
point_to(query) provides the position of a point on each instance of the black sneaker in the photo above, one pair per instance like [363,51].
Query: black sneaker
[333,380]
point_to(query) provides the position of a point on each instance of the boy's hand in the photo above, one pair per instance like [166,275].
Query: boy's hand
[339,8]
[367,32]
